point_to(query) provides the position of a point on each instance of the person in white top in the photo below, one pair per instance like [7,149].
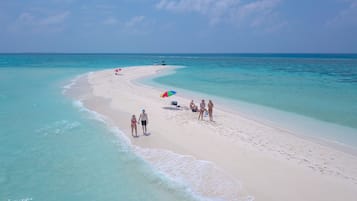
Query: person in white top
[144,121]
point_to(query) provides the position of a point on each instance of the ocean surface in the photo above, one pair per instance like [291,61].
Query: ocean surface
[313,94]
[51,148]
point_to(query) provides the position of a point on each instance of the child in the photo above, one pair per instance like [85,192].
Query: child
[133,126]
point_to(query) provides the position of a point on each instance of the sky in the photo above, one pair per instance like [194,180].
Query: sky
[178,26]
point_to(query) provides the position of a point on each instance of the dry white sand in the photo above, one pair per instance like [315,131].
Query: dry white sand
[272,164]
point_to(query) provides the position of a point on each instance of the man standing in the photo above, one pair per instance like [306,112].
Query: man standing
[144,121]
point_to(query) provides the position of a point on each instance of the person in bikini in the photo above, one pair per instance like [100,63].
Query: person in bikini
[202,109]
[144,121]
[210,110]
[133,126]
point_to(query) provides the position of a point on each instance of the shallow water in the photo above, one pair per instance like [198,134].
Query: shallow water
[51,149]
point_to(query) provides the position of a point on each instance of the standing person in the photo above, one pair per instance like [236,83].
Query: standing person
[133,126]
[202,109]
[144,121]
[210,110]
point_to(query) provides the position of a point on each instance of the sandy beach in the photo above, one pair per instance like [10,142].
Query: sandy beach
[232,158]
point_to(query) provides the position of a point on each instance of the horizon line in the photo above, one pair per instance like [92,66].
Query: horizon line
[326,53]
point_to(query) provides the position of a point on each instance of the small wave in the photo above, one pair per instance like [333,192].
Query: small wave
[68,86]
[124,141]
[94,115]
[58,127]
[202,179]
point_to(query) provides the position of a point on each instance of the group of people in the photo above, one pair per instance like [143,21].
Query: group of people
[202,109]
[117,71]
[143,118]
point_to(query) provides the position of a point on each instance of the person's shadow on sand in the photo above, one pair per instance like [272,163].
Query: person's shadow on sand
[171,108]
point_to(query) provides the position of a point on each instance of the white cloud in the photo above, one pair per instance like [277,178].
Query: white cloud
[136,20]
[29,19]
[54,19]
[201,6]
[254,13]
[110,21]
[31,22]
[64,1]
[346,17]
[26,18]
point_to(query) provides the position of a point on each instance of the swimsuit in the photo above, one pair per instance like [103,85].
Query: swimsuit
[133,122]
[202,107]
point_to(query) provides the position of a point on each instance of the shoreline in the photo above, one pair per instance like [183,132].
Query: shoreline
[241,142]
[230,105]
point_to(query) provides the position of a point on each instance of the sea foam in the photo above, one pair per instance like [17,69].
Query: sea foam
[73,82]
[58,127]
[203,180]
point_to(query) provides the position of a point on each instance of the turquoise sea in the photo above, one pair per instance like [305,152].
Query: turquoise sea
[53,149]
[314,94]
